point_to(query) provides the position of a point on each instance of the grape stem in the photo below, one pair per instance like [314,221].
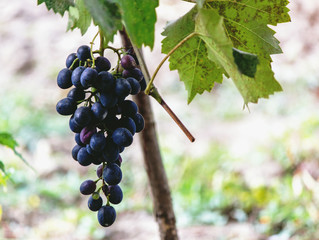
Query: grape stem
[149,87]
[155,94]
[92,43]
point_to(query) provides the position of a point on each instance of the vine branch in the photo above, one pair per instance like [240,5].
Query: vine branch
[150,84]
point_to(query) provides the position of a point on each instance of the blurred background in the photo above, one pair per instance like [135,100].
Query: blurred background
[251,173]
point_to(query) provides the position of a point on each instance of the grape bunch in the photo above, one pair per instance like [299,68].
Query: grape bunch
[103,120]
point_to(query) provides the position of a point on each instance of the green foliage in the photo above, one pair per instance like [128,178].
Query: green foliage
[58,6]
[79,17]
[139,19]
[214,25]
[106,15]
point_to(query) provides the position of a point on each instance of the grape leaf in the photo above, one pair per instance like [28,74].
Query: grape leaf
[139,19]
[246,23]
[58,6]
[6,139]
[79,17]
[195,69]
[209,25]
[106,15]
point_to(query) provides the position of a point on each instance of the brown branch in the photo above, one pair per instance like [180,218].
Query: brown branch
[163,208]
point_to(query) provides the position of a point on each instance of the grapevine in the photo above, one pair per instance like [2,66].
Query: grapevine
[103,119]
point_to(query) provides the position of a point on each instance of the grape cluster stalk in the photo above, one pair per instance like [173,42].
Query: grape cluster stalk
[103,120]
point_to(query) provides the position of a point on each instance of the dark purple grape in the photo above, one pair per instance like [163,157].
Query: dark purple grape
[73,126]
[86,134]
[110,151]
[77,139]
[83,116]
[111,122]
[88,77]
[99,111]
[129,108]
[93,153]
[99,171]
[105,82]
[106,216]
[122,137]
[75,151]
[83,157]
[95,202]
[139,122]
[128,62]
[98,142]
[70,59]
[66,107]
[64,78]
[112,174]
[135,73]
[132,53]
[102,64]
[87,187]
[127,122]
[116,194]
[108,100]
[135,85]
[122,87]
[76,76]
[84,53]
[76,94]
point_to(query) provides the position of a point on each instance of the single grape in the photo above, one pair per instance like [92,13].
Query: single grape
[116,194]
[87,187]
[70,59]
[111,122]
[98,142]
[66,106]
[84,53]
[76,94]
[108,100]
[106,190]
[99,111]
[73,126]
[127,122]
[99,171]
[95,204]
[112,174]
[102,64]
[122,137]
[139,122]
[106,216]
[128,62]
[86,134]
[83,157]
[88,76]
[83,116]
[76,76]
[104,82]
[135,73]
[122,87]
[75,151]
[64,78]
[129,108]
[110,151]
[135,85]
[132,53]
[77,139]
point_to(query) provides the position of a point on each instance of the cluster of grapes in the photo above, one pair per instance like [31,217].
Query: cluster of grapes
[94,103]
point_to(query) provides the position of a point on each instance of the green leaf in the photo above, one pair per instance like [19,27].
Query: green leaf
[246,23]
[209,25]
[2,167]
[58,6]
[246,62]
[195,69]
[106,15]
[79,17]
[6,139]
[139,18]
